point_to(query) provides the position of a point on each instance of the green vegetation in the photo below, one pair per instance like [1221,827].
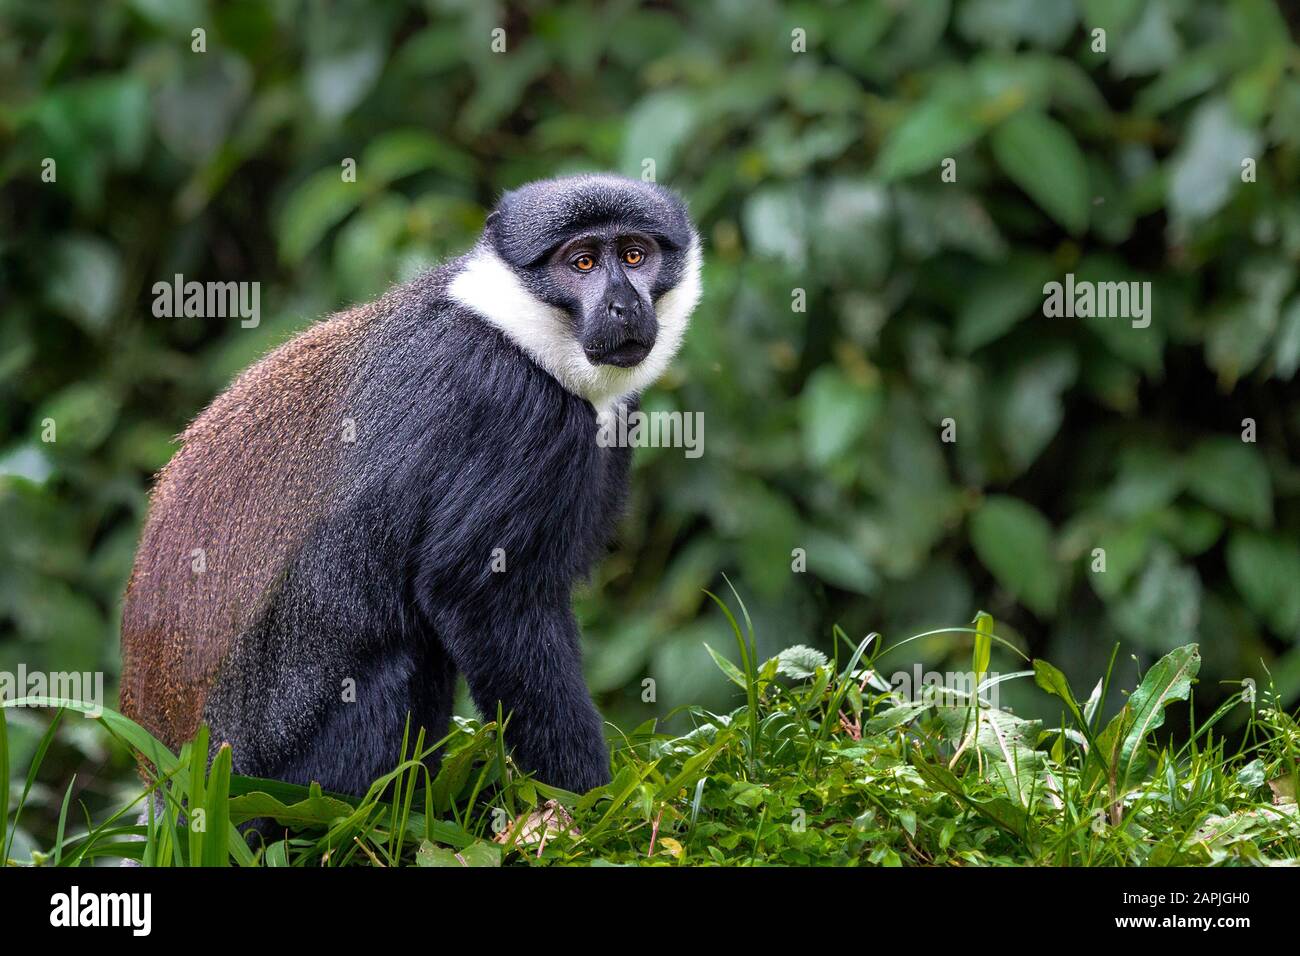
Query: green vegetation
[821,765]
[817,171]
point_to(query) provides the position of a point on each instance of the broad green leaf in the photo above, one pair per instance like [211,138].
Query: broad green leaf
[657,128]
[321,202]
[1000,297]
[839,562]
[84,280]
[403,152]
[1286,347]
[895,717]
[800,661]
[1161,607]
[1001,811]
[1266,571]
[1007,744]
[1206,168]
[479,853]
[343,65]
[313,810]
[834,414]
[1231,477]
[1041,157]
[1050,679]
[1031,409]
[1122,746]
[1002,24]
[1014,541]
[775,221]
[84,414]
[936,129]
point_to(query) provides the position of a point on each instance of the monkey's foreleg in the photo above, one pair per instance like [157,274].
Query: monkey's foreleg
[529,659]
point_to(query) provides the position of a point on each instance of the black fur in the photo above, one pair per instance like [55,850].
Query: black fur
[532,220]
[464,446]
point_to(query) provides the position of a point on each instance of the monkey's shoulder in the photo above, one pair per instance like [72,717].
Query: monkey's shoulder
[458,367]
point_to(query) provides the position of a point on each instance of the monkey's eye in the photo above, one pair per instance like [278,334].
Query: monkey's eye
[584,263]
[633,256]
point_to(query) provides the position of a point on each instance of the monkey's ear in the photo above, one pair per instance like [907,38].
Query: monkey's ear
[492,219]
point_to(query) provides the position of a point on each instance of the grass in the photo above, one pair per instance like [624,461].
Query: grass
[823,764]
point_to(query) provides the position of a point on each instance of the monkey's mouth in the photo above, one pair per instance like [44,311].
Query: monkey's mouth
[625,354]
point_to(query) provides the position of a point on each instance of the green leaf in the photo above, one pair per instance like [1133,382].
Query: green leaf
[314,810]
[5,838]
[775,220]
[938,128]
[983,644]
[321,202]
[1266,571]
[998,809]
[1000,297]
[1286,347]
[839,562]
[1014,542]
[1042,158]
[1052,680]
[480,853]
[800,661]
[1002,24]
[153,751]
[216,839]
[834,414]
[1006,741]
[657,127]
[402,152]
[1122,747]
[895,717]
[84,414]
[84,280]
[1161,606]
[1231,477]
[343,65]
[1031,410]
[1206,169]
[198,763]
[733,673]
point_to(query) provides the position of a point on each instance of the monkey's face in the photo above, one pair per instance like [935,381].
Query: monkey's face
[595,276]
[604,279]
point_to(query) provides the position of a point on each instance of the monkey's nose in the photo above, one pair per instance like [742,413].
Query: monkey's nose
[622,311]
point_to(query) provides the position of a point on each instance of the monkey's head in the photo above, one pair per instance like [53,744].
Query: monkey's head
[595,276]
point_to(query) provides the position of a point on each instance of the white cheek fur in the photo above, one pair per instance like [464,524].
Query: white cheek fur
[488,286]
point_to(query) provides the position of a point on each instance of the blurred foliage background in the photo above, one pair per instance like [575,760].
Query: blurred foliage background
[816,171]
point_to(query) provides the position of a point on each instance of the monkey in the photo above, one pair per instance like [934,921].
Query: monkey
[409,490]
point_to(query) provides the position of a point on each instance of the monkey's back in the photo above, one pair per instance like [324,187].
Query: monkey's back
[225,516]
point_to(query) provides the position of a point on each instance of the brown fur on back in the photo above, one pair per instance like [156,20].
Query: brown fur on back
[254,467]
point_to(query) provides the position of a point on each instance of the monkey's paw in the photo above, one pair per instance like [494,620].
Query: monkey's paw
[537,827]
